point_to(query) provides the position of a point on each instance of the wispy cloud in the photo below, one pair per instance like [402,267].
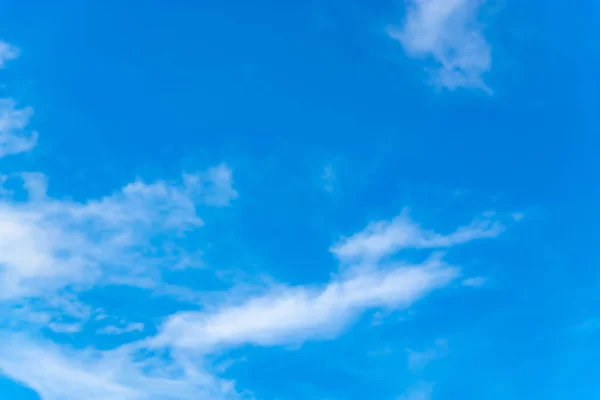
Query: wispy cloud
[119,330]
[447,31]
[213,186]
[418,360]
[328,177]
[291,315]
[518,216]
[61,312]
[14,138]
[281,315]
[475,281]
[383,238]
[55,376]
[48,243]
[58,373]
[7,52]
[61,327]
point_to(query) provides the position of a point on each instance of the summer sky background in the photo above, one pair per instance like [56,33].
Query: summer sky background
[299,200]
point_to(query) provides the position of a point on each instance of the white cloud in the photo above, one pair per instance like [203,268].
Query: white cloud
[13,136]
[7,52]
[282,315]
[36,185]
[116,330]
[290,315]
[475,281]
[46,244]
[58,373]
[383,238]
[50,249]
[54,376]
[447,31]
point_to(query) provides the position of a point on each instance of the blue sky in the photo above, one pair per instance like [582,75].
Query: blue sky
[299,200]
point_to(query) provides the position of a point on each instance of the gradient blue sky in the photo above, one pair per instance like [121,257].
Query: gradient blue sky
[299,200]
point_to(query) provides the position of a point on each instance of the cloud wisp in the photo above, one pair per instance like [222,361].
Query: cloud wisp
[119,330]
[382,238]
[418,360]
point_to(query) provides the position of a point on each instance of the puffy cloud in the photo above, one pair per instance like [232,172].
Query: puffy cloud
[14,138]
[382,238]
[447,31]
